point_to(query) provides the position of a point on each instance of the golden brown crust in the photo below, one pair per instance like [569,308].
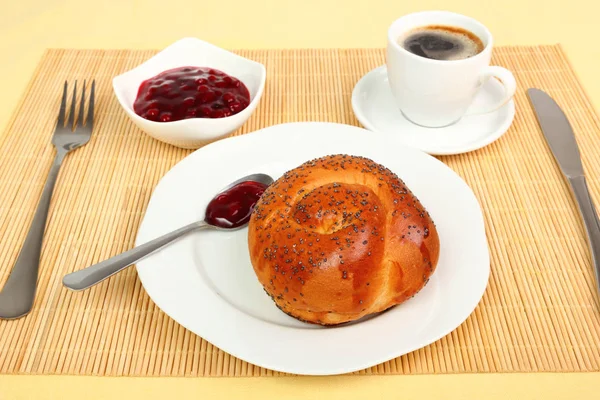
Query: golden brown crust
[339,238]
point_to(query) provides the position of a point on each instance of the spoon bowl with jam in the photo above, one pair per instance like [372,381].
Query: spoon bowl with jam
[229,210]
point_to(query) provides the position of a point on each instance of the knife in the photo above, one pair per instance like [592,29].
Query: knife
[561,139]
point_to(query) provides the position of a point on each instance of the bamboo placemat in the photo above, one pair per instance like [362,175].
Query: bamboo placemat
[540,311]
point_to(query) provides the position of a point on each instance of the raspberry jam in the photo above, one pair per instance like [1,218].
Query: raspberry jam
[190,92]
[233,207]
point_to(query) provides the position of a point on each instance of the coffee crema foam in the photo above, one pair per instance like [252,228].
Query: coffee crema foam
[440,42]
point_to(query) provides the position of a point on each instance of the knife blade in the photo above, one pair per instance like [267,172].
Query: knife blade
[561,139]
[558,132]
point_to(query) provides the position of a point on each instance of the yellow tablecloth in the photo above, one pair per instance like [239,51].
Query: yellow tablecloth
[27,27]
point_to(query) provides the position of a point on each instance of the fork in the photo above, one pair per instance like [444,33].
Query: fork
[17,295]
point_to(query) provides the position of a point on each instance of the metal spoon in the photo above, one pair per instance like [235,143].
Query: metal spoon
[96,273]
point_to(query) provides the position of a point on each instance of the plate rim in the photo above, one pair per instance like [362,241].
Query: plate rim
[432,150]
[342,369]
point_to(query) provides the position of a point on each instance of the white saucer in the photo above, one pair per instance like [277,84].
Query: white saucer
[375,108]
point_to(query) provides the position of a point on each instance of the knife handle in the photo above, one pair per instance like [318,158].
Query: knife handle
[590,219]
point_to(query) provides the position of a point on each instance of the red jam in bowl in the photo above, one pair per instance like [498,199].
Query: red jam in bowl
[233,207]
[190,92]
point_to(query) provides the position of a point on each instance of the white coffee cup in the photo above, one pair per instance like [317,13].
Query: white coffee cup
[437,93]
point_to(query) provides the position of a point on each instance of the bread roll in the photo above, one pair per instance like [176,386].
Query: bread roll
[339,238]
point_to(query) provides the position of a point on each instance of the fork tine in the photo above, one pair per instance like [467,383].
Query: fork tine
[81,106]
[90,116]
[63,106]
[71,123]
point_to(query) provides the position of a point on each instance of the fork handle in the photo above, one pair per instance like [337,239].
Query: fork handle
[17,295]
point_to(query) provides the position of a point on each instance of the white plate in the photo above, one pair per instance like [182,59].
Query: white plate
[375,108]
[206,281]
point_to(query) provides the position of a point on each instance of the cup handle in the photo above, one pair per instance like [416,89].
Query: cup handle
[508,81]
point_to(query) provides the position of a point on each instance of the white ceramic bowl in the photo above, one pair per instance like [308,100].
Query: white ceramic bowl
[194,132]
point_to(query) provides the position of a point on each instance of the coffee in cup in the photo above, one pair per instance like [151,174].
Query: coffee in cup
[441,42]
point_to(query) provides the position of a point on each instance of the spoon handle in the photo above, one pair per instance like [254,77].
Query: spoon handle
[96,273]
